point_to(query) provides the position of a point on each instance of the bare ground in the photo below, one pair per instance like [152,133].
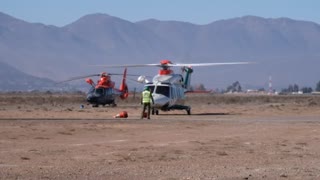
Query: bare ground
[48,136]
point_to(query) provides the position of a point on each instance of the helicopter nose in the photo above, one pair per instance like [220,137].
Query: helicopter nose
[160,100]
[91,98]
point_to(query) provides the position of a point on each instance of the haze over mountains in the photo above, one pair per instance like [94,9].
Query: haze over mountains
[13,79]
[286,49]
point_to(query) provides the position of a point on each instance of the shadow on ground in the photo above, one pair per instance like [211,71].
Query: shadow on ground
[199,114]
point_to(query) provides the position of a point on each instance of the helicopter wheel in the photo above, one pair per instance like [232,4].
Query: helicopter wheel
[189,111]
[113,105]
[157,112]
[152,112]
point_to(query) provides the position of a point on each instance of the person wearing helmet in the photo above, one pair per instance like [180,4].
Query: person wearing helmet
[146,98]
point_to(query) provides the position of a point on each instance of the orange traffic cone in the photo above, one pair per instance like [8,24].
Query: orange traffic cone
[122,114]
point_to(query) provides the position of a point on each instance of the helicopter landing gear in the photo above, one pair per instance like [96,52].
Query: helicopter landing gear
[188,111]
[181,107]
[155,111]
[113,104]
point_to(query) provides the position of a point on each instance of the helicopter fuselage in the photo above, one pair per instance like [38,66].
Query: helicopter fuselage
[168,92]
[101,96]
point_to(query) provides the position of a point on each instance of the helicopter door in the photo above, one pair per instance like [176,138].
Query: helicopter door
[173,95]
[109,95]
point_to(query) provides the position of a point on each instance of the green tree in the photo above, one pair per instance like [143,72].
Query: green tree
[235,87]
[306,90]
[295,88]
[291,88]
[200,87]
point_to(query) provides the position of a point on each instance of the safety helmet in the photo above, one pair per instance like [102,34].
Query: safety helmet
[146,88]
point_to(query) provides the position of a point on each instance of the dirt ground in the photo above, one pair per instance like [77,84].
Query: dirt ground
[49,136]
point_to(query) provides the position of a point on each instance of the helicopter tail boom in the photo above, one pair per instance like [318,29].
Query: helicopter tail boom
[187,78]
[123,86]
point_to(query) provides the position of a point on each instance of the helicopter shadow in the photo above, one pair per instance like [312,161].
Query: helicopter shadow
[212,114]
[200,114]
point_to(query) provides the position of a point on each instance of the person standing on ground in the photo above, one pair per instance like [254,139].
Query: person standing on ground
[146,98]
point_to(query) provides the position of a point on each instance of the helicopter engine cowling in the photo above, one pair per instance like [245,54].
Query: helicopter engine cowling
[143,79]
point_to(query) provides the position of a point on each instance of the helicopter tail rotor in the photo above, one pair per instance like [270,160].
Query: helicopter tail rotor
[124,87]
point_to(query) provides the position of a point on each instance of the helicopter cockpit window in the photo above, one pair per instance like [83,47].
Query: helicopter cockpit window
[99,91]
[108,91]
[91,90]
[164,90]
[151,88]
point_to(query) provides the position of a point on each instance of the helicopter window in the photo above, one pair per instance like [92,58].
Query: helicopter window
[108,91]
[99,91]
[91,90]
[164,90]
[151,88]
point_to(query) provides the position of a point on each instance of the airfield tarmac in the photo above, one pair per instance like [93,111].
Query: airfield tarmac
[48,136]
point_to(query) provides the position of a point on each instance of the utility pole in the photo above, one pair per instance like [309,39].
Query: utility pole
[134,94]
[270,86]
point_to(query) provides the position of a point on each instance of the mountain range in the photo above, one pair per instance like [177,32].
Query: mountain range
[286,49]
[13,79]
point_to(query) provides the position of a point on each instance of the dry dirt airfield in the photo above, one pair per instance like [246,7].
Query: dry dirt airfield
[48,136]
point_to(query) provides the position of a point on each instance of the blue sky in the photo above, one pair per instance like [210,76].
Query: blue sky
[62,12]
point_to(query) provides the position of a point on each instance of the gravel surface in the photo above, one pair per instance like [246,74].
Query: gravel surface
[53,138]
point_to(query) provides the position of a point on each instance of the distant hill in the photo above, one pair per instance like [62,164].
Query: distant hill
[286,49]
[13,79]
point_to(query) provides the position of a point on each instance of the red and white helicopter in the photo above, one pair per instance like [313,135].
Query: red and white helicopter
[168,88]
[104,91]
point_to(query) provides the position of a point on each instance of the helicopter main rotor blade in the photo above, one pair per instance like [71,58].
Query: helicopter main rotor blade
[115,74]
[209,64]
[92,75]
[128,65]
[175,65]
[78,77]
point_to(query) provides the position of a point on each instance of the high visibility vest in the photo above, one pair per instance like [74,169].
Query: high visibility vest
[146,97]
